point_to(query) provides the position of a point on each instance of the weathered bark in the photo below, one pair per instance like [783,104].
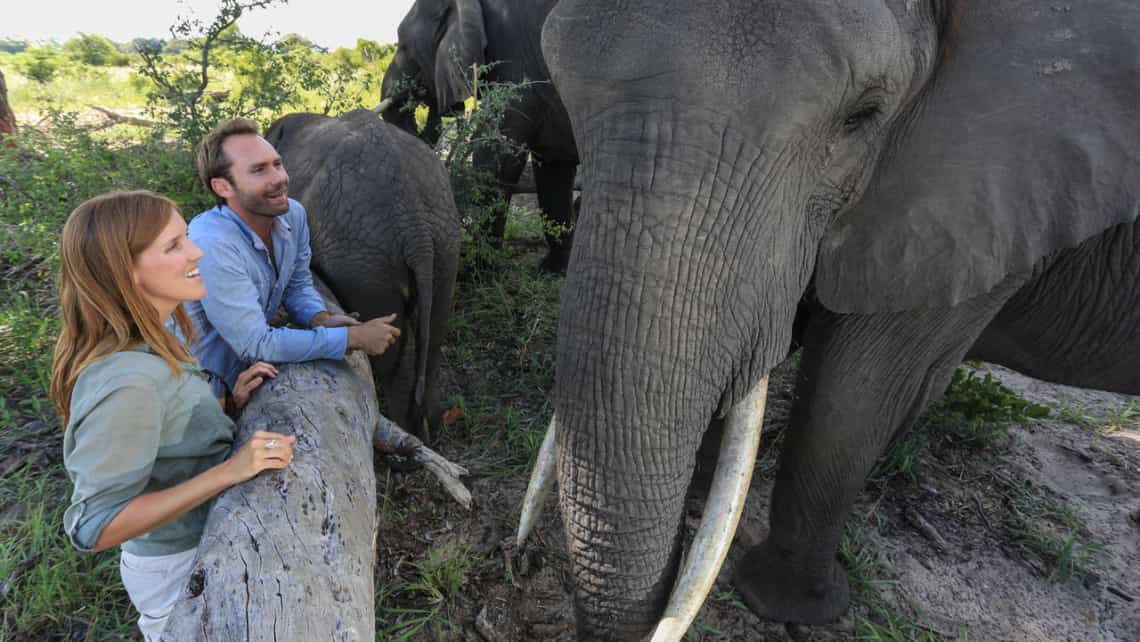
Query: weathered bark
[289,555]
[7,118]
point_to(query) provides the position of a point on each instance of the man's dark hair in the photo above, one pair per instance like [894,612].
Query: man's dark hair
[212,161]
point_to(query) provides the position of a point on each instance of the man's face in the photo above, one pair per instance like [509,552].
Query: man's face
[258,184]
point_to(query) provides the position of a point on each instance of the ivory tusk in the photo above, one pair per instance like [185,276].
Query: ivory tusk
[541,481]
[383,106]
[726,499]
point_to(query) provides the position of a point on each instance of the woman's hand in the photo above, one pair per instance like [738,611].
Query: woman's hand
[249,380]
[148,511]
[263,450]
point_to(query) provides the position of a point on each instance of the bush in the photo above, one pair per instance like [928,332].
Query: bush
[62,164]
[95,50]
[477,133]
[976,411]
[40,64]
[211,72]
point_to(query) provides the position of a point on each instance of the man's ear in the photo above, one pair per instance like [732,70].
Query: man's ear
[221,187]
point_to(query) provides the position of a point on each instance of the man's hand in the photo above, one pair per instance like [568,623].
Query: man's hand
[329,320]
[373,336]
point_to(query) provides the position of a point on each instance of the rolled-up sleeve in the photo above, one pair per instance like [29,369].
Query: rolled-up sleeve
[233,309]
[110,458]
[301,299]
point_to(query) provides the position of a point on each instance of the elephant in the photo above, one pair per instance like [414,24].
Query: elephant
[385,236]
[948,178]
[439,41]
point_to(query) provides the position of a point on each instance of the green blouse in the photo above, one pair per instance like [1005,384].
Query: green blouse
[135,428]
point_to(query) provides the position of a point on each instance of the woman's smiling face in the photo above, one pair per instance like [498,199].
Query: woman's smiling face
[166,272]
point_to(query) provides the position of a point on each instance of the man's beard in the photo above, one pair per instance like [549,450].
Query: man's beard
[260,205]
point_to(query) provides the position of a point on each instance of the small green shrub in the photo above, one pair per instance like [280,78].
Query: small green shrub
[977,411]
[443,572]
[477,134]
[974,413]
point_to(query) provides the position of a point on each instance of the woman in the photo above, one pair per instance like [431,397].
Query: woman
[145,441]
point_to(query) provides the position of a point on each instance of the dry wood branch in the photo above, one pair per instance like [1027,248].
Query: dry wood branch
[118,119]
[390,438]
[926,529]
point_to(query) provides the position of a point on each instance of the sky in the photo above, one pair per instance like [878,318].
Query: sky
[329,23]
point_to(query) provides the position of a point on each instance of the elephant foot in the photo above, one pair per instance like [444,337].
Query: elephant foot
[555,262]
[777,588]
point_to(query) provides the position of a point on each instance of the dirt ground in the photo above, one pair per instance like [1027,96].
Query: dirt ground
[952,557]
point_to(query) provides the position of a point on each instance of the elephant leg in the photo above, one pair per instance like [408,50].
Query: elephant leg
[506,170]
[1078,321]
[862,379]
[554,181]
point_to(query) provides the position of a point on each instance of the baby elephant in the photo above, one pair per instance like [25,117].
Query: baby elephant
[385,236]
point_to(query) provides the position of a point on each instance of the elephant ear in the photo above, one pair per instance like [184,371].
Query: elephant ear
[461,47]
[1024,142]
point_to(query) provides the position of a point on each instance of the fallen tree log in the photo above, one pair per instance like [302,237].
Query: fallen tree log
[289,555]
[117,119]
[7,117]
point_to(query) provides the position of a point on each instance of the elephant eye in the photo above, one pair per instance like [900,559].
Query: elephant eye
[860,117]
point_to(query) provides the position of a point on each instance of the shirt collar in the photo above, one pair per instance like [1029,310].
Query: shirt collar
[279,225]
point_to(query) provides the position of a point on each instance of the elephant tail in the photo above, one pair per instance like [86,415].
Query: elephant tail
[424,274]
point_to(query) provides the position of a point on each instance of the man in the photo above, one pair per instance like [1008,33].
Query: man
[256,244]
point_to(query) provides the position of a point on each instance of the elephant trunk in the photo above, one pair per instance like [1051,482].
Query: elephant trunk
[676,304]
[398,93]
[726,502]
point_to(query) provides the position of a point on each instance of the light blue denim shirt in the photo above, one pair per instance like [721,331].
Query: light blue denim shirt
[243,293]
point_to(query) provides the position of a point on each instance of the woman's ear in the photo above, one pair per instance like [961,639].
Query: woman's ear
[1024,142]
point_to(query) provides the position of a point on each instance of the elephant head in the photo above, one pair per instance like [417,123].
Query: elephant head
[440,41]
[908,153]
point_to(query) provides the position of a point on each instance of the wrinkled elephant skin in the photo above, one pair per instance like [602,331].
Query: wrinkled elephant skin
[947,178]
[385,236]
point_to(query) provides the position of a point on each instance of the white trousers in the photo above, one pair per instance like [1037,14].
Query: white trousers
[154,584]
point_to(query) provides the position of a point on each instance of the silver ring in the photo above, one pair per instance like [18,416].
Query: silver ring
[272,443]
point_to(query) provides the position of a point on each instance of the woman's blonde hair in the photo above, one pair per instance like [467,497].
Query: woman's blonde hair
[101,310]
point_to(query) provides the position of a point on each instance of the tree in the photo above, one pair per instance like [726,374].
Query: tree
[149,44]
[95,50]
[180,80]
[40,64]
[12,46]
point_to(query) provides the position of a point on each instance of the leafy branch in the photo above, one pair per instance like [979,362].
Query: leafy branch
[182,84]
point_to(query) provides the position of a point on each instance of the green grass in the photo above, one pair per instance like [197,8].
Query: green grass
[442,572]
[1050,530]
[76,86]
[865,572]
[1123,416]
[417,607]
[975,413]
[904,457]
[500,340]
[51,587]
